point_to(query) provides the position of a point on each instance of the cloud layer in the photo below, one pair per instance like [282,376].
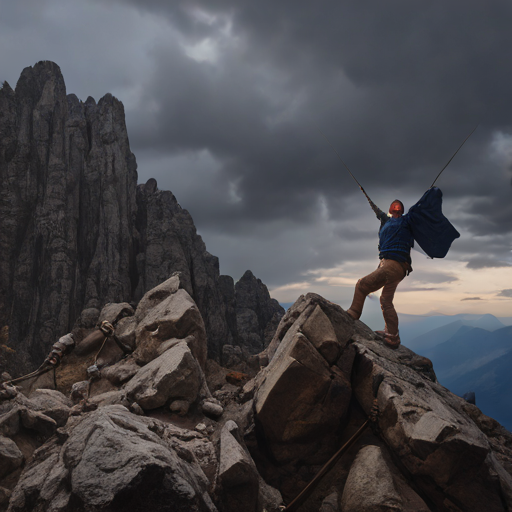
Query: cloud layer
[226,99]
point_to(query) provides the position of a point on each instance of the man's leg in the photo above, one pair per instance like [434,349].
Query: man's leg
[395,274]
[368,284]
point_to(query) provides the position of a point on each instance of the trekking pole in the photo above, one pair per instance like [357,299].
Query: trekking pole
[454,155]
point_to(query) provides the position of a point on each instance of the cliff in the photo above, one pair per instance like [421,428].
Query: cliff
[76,232]
[157,429]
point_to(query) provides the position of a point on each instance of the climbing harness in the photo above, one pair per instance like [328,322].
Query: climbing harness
[306,492]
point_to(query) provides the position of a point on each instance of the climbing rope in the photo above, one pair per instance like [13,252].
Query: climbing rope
[306,492]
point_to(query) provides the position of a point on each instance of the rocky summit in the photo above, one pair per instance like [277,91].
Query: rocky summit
[178,389]
[77,232]
[163,427]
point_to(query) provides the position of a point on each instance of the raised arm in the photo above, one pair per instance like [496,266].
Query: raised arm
[378,212]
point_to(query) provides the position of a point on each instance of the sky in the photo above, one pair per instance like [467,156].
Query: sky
[237,107]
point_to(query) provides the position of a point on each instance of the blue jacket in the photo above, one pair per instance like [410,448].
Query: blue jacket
[396,238]
[424,223]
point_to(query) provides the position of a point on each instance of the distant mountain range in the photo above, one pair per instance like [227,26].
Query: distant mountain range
[469,353]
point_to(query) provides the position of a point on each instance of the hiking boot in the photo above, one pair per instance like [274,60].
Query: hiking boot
[353,314]
[392,340]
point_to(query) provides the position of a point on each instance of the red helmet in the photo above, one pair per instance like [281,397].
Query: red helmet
[397,206]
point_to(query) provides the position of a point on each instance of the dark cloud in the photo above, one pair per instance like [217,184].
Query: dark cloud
[486,262]
[471,298]
[225,100]
[505,293]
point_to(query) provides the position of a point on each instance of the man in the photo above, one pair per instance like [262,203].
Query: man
[424,223]
[395,242]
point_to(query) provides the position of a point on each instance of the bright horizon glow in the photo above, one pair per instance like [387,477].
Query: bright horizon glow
[480,288]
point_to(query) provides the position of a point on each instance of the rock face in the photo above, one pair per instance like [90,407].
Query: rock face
[76,232]
[150,434]
[67,200]
[446,462]
[112,460]
[257,315]
[303,397]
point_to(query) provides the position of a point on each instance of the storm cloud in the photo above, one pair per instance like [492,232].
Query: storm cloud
[226,101]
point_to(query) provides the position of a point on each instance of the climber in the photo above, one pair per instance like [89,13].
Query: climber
[424,223]
[395,242]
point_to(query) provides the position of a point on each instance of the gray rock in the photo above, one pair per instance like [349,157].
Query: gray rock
[300,400]
[71,214]
[11,457]
[238,476]
[427,428]
[10,422]
[173,375]
[176,316]
[88,318]
[342,323]
[257,315]
[136,409]
[231,355]
[53,404]
[80,391]
[156,295]
[180,407]
[111,461]
[369,486]
[121,372]
[37,421]
[125,331]
[212,409]
[114,397]
[320,332]
[330,503]
[114,312]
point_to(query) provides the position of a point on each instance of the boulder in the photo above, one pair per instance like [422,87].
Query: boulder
[37,421]
[257,315]
[125,331]
[369,486]
[175,316]
[427,429]
[121,372]
[238,475]
[53,404]
[175,375]
[114,312]
[212,409]
[330,503]
[302,398]
[11,457]
[320,332]
[111,460]
[342,323]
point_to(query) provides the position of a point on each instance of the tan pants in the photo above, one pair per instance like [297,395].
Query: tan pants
[387,276]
